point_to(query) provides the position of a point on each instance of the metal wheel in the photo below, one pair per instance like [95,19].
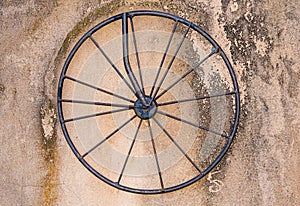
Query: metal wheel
[148,102]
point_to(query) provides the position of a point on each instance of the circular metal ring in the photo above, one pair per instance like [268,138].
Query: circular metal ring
[149,114]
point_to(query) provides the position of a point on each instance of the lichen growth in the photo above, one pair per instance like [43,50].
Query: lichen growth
[49,153]
[80,26]
[2,89]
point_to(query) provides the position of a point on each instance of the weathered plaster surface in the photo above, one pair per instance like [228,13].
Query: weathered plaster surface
[261,38]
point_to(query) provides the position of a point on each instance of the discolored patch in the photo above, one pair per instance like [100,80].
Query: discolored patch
[49,152]
[250,40]
[2,89]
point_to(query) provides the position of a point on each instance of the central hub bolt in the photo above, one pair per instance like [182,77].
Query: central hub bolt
[145,112]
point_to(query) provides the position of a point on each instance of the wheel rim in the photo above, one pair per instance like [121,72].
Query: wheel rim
[150,118]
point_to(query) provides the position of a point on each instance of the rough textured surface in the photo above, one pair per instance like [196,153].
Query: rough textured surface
[260,37]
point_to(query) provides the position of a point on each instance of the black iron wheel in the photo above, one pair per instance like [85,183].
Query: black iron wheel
[148,102]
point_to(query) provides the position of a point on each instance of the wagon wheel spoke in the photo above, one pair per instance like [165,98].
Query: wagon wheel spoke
[171,62]
[155,155]
[163,58]
[195,99]
[185,74]
[108,137]
[129,152]
[75,101]
[97,88]
[177,145]
[95,115]
[137,55]
[190,123]
[112,64]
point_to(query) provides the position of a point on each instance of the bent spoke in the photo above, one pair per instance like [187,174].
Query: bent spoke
[107,137]
[129,152]
[177,145]
[196,98]
[187,73]
[190,123]
[95,115]
[130,74]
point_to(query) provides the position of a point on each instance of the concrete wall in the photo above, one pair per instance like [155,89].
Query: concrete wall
[261,38]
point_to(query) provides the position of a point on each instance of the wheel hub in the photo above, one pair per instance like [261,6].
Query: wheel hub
[145,112]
